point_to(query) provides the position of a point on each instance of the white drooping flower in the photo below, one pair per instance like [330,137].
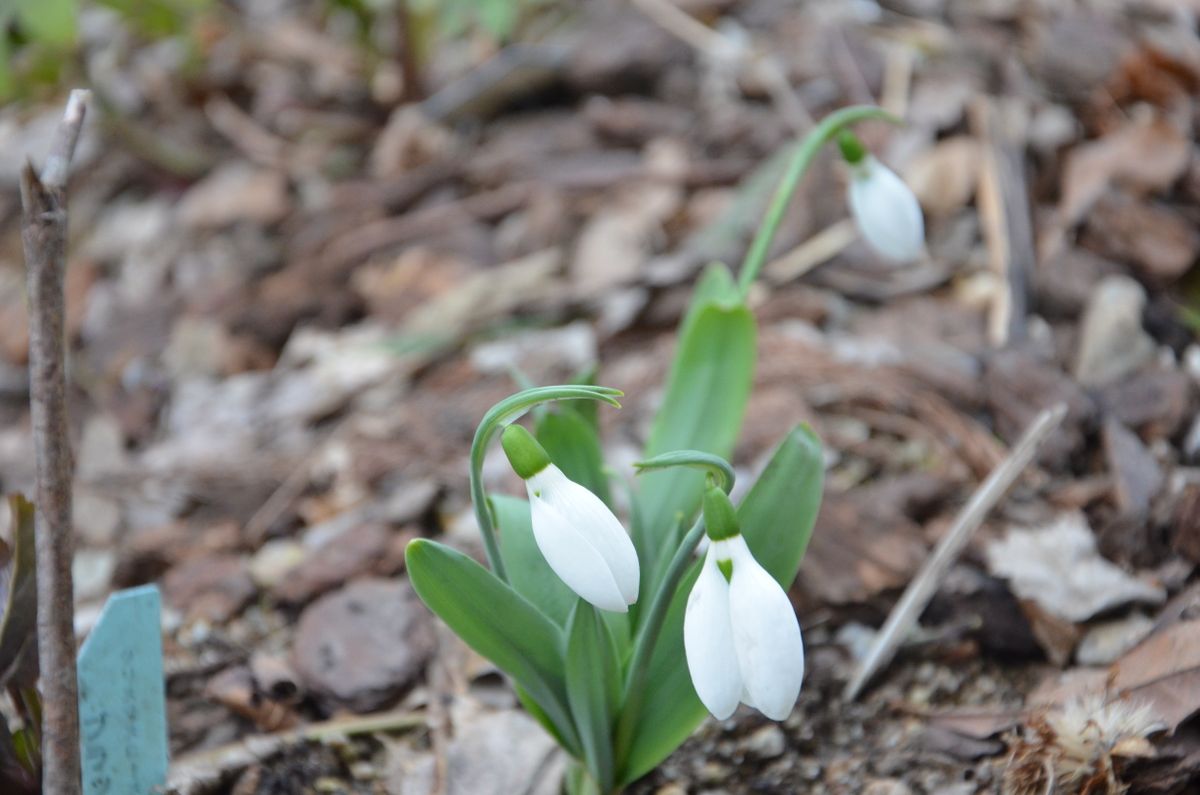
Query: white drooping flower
[741,636]
[886,210]
[581,539]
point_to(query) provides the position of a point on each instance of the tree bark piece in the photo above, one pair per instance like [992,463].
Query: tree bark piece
[44,235]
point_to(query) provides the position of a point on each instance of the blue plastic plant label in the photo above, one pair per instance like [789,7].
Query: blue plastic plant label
[122,706]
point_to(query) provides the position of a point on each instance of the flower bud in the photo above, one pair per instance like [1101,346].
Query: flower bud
[580,538]
[884,207]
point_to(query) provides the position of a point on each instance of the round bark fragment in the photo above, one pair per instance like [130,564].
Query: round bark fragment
[361,646]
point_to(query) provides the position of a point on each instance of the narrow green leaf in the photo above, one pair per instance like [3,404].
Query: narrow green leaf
[705,402]
[670,710]
[574,448]
[777,518]
[779,513]
[593,689]
[528,571]
[497,622]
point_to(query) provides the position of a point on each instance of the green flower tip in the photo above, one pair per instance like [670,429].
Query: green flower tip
[852,149]
[720,518]
[524,453]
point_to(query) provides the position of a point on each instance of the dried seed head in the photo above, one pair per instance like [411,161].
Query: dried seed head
[1078,747]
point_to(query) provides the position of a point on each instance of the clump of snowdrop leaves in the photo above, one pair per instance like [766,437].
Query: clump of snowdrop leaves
[581,539]
[740,632]
[884,207]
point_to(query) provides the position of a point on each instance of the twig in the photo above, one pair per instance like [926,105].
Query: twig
[44,234]
[1007,226]
[818,249]
[921,589]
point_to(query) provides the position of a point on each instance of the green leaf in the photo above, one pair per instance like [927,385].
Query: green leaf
[779,513]
[49,21]
[777,518]
[18,589]
[497,622]
[705,401]
[593,689]
[528,571]
[670,710]
[574,448]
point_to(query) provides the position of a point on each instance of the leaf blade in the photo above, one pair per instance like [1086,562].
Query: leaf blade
[707,391]
[497,622]
[593,688]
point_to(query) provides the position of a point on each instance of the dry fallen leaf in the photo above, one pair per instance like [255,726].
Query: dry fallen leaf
[944,176]
[1145,156]
[1059,568]
[1163,671]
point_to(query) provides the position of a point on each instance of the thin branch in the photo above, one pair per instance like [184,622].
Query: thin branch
[925,584]
[44,234]
[204,771]
[1003,200]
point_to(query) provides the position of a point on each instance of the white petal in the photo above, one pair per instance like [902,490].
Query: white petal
[887,211]
[573,558]
[592,518]
[766,635]
[708,642]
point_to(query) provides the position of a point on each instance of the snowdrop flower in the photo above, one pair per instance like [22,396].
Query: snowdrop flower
[740,633]
[884,207]
[580,538]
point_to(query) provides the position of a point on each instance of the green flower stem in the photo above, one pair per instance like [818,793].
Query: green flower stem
[647,637]
[497,417]
[717,468]
[829,127]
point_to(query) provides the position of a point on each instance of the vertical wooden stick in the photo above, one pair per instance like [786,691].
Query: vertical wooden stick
[44,234]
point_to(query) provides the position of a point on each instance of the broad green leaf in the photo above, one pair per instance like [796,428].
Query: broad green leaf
[705,401]
[18,590]
[527,570]
[670,710]
[50,21]
[779,513]
[593,689]
[574,448]
[497,622]
[777,518]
